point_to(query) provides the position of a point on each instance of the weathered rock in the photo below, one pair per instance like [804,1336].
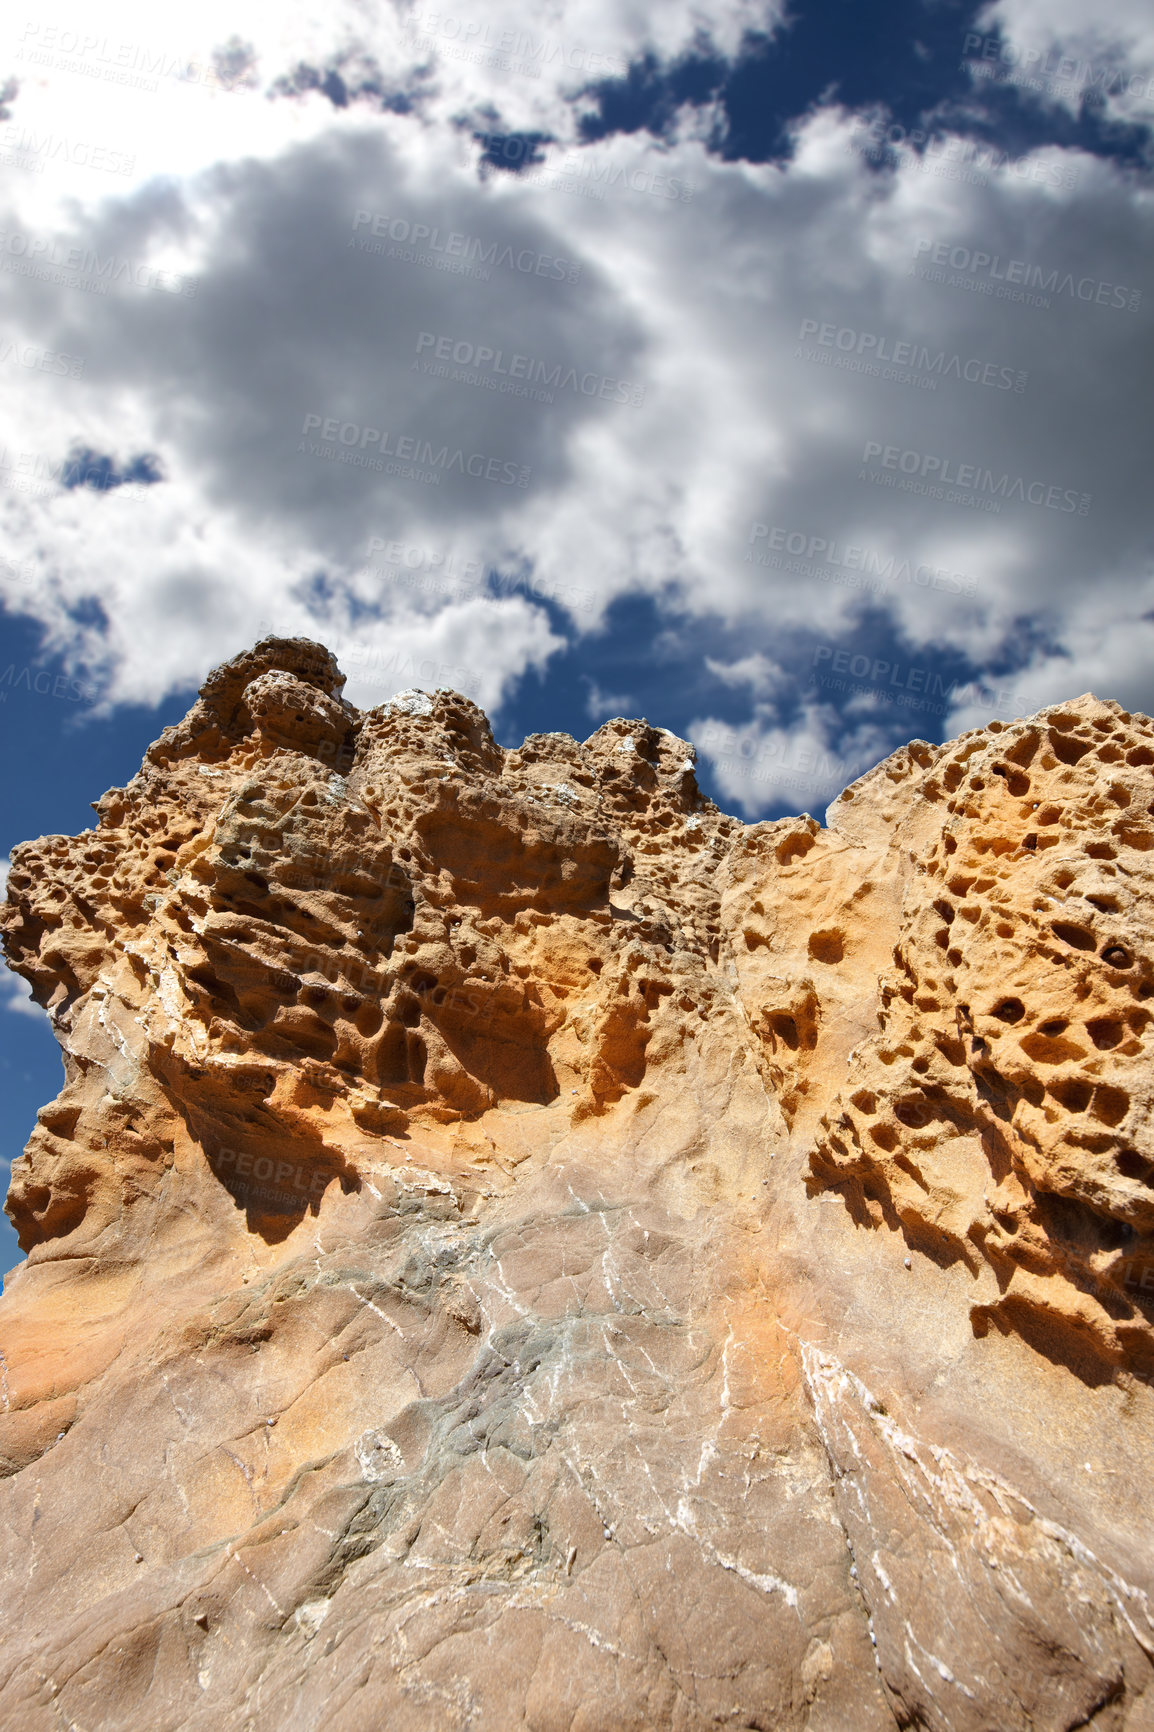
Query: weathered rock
[519,1248]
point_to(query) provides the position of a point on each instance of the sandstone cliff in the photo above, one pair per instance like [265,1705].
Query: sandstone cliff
[519,1248]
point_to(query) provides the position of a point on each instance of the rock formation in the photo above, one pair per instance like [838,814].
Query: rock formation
[518,1248]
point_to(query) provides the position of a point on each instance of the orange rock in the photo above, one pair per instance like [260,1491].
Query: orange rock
[519,1248]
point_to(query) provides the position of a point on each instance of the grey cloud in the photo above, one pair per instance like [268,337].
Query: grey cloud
[292,318]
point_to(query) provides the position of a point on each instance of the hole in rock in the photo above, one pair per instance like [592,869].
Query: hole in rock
[1050,1049]
[417,1056]
[794,847]
[1078,937]
[1073,1093]
[1110,1105]
[784,1028]
[392,1064]
[1068,748]
[1023,753]
[826,946]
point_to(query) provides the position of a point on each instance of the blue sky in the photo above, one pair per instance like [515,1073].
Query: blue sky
[779,375]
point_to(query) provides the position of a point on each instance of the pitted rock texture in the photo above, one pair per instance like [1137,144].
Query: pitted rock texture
[999,1111]
[517,1247]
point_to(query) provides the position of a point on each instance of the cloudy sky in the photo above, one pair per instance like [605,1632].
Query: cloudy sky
[779,373]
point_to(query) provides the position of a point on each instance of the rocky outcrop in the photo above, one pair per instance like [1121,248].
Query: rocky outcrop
[997,1114]
[517,1247]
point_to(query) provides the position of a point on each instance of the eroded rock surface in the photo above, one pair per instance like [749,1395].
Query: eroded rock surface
[519,1248]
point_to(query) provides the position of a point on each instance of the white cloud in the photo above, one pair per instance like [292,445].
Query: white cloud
[144,80]
[738,489]
[1057,51]
[16,996]
[600,704]
[1109,657]
[757,671]
[805,765]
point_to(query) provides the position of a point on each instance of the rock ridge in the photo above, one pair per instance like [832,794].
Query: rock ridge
[518,1247]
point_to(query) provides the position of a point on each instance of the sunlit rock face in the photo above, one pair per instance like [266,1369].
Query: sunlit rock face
[518,1248]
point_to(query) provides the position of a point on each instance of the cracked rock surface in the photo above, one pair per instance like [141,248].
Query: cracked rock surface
[518,1248]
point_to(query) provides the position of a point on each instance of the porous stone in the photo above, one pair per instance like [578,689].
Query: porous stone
[518,1248]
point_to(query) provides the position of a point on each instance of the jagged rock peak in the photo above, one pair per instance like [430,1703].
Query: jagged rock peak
[518,1248]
